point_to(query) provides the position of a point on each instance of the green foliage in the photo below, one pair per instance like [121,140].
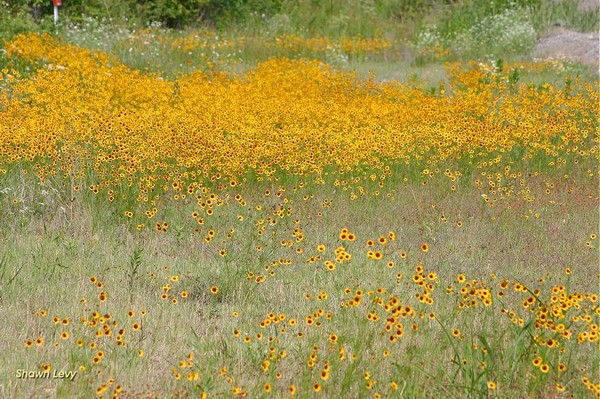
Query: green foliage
[24,16]
[14,25]
[135,260]
[172,13]
[35,8]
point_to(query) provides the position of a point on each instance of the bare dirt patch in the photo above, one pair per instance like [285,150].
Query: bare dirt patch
[575,46]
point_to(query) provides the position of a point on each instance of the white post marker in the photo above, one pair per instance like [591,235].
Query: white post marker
[57,3]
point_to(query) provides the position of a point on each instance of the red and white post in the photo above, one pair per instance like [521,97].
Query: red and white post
[57,3]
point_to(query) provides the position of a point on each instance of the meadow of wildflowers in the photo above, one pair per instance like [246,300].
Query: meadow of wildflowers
[294,230]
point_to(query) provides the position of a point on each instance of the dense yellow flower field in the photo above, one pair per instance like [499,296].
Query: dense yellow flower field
[309,232]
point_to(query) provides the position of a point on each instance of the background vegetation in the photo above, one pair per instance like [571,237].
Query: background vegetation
[401,40]
[447,20]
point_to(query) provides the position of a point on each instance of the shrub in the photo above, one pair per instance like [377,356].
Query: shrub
[510,32]
[172,13]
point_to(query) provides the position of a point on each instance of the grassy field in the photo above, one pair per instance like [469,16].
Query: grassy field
[192,214]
